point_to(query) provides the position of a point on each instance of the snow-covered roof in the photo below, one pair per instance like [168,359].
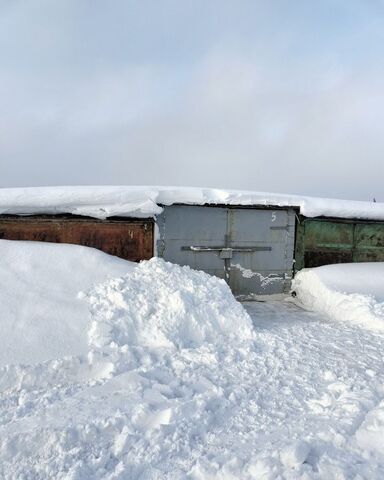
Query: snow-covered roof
[145,201]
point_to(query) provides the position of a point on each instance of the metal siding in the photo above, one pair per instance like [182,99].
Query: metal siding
[262,272]
[182,226]
[328,241]
[369,242]
[131,240]
[250,272]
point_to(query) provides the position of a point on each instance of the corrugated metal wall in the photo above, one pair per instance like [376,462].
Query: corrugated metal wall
[323,241]
[126,238]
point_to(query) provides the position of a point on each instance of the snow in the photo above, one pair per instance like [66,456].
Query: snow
[42,318]
[264,280]
[346,292]
[146,201]
[296,454]
[166,306]
[370,435]
[174,379]
[354,294]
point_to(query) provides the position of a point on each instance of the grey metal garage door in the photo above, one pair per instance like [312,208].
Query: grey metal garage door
[252,249]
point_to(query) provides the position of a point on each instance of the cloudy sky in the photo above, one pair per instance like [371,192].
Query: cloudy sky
[274,95]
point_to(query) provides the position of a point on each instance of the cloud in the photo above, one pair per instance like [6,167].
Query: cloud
[146,97]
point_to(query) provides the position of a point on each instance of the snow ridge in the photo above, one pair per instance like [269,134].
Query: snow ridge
[345,292]
[146,201]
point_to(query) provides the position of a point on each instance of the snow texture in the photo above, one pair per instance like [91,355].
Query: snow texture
[264,280]
[370,435]
[134,201]
[182,308]
[42,318]
[351,292]
[175,380]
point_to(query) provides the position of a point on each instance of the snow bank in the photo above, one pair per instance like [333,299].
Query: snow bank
[136,201]
[41,316]
[347,292]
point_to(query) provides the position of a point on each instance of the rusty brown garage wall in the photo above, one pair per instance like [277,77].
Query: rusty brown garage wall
[126,238]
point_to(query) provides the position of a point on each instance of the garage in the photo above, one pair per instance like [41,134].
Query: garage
[251,248]
[323,241]
[131,239]
[253,240]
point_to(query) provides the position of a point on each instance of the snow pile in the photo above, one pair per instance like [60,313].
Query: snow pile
[146,201]
[160,304]
[165,344]
[345,292]
[41,317]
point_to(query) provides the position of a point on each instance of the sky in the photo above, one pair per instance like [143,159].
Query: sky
[270,95]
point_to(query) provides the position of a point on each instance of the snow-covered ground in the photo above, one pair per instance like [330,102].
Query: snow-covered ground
[173,379]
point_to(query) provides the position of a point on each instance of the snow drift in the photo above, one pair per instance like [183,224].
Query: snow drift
[41,317]
[346,292]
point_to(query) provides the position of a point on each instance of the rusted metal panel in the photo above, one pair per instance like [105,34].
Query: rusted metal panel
[128,239]
[323,241]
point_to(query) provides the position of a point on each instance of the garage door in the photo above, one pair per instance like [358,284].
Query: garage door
[252,249]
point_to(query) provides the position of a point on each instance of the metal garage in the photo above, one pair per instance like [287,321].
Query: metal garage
[131,239]
[322,241]
[251,247]
[242,237]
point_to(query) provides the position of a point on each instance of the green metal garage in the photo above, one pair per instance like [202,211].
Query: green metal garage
[325,240]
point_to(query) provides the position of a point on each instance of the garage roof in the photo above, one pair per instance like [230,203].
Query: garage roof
[146,201]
